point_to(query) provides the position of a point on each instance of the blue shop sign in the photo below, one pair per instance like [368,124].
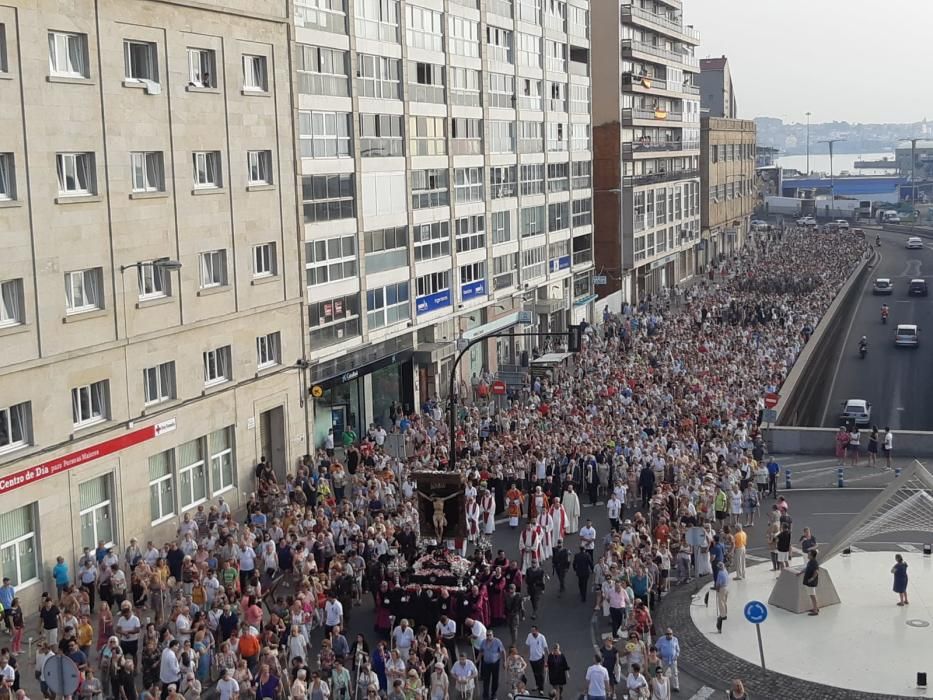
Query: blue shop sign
[433,302]
[561,263]
[471,290]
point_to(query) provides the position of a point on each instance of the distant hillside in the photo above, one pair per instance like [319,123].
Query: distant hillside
[791,138]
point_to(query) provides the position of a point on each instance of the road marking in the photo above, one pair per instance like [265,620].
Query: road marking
[854,549]
[907,547]
[703,693]
[806,464]
[833,513]
[755,557]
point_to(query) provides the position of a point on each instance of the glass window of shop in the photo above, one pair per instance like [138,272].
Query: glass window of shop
[339,407]
[96,512]
[387,388]
[19,560]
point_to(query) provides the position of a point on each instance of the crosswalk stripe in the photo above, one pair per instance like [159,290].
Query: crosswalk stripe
[703,693]
[755,557]
[908,547]
[855,549]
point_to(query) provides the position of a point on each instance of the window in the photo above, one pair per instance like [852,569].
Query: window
[471,233]
[330,260]
[386,249]
[555,13]
[425,28]
[192,474]
[529,11]
[222,473]
[558,177]
[328,197]
[387,305]
[96,514]
[559,255]
[161,496]
[464,86]
[12,308]
[579,98]
[529,50]
[268,350]
[217,366]
[582,212]
[265,263]
[377,19]
[154,281]
[381,135]
[532,221]
[322,71]
[579,137]
[425,82]
[84,290]
[7,177]
[432,240]
[557,96]
[468,185]
[556,136]
[429,188]
[213,268]
[529,137]
[500,222]
[501,90]
[207,169]
[90,404]
[324,134]
[15,426]
[504,269]
[555,56]
[18,551]
[532,179]
[582,248]
[255,73]
[498,44]
[201,70]
[159,383]
[427,136]
[334,320]
[502,181]
[578,21]
[77,174]
[433,284]
[558,216]
[3,62]
[323,15]
[534,263]
[259,166]
[463,36]
[466,136]
[378,76]
[148,171]
[501,136]
[140,61]
[68,55]
[529,96]
[473,273]
[582,177]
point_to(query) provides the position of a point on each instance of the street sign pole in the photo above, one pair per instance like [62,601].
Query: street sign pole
[756,612]
[761,648]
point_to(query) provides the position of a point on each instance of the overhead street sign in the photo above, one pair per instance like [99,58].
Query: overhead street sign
[599,280]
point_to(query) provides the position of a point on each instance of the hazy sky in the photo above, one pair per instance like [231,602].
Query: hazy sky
[846,60]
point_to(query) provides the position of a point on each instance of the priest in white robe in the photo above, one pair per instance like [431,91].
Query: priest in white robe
[529,545]
[487,506]
[571,503]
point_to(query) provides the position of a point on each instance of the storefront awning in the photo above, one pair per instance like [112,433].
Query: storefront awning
[499,324]
[429,353]
[583,301]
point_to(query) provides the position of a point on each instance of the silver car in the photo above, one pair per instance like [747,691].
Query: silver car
[856,411]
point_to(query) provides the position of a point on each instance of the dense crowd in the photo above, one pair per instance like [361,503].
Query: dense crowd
[658,416]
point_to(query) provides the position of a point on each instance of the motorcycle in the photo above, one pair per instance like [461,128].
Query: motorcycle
[862,350]
[884,318]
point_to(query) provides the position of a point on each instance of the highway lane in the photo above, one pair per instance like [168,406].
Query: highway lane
[895,380]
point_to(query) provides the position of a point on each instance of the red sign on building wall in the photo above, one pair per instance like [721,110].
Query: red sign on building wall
[31,475]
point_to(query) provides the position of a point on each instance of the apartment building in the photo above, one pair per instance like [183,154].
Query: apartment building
[150,303]
[646,115]
[445,172]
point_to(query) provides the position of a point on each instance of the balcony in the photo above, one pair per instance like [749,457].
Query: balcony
[630,46]
[664,24]
[655,115]
[659,177]
[660,146]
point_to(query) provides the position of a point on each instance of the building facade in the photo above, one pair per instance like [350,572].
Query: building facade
[646,115]
[151,306]
[717,94]
[446,191]
[729,181]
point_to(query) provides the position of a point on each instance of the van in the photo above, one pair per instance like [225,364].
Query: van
[907,335]
[890,217]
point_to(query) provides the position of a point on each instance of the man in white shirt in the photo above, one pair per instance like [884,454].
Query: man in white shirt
[537,655]
[477,632]
[613,509]
[333,614]
[403,636]
[227,687]
[597,680]
[183,625]
[128,627]
[169,668]
[446,631]
[888,446]
[465,673]
[588,539]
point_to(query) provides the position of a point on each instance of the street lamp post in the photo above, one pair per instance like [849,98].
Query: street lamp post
[164,264]
[832,180]
[808,143]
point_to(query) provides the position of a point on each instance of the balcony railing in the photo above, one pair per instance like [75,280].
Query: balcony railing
[664,176]
[660,146]
[661,115]
[503,8]
[660,21]
[629,45]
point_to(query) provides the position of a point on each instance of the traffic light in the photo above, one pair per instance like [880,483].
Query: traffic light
[575,339]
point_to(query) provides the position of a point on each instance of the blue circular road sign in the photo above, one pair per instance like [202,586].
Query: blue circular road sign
[756,611]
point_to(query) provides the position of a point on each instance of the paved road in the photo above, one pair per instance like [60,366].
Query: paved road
[894,380]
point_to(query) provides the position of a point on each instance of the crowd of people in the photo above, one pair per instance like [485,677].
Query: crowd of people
[658,417]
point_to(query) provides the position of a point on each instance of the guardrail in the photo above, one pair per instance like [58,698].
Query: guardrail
[804,392]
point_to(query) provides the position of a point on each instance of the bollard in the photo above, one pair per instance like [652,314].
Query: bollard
[786,478]
[840,477]
[897,472]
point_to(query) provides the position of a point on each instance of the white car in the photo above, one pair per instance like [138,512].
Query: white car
[806,221]
[759,225]
[914,242]
[857,411]
[842,224]
[907,335]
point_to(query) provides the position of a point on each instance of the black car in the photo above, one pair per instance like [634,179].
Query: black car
[917,288]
